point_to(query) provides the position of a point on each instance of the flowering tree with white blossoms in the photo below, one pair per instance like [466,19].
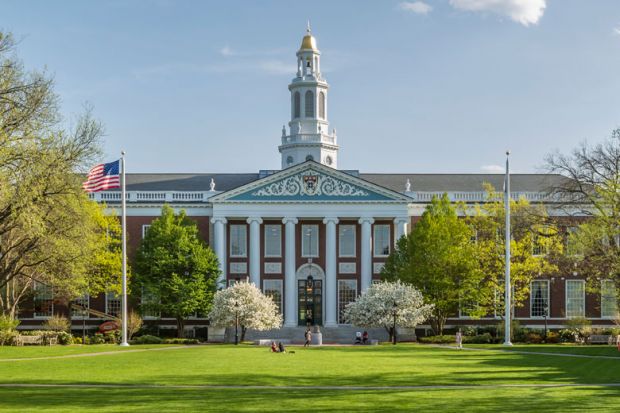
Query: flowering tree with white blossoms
[254,309]
[376,307]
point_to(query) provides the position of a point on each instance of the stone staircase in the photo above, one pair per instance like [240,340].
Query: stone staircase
[295,335]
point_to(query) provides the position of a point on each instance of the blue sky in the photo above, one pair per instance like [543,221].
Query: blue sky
[418,86]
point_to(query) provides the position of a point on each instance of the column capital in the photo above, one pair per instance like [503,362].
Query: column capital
[215,220]
[401,220]
[292,220]
[328,220]
[366,220]
[254,219]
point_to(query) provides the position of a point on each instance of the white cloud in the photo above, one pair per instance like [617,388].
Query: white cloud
[227,51]
[492,169]
[417,7]
[617,30]
[525,12]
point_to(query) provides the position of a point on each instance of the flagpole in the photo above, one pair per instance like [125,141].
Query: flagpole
[124,241]
[507,286]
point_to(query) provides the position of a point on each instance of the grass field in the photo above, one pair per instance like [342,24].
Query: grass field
[378,378]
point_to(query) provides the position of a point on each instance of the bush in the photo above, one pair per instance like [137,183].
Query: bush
[8,331]
[8,323]
[147,339]
[134,324]
[580,326]
[446,339]
[479,339]
[77,340]
[552,337]
[566,336]
[532,337]
[57,323]
[64,338]
[183,341]
[97,339]
[470,331]
[112,337]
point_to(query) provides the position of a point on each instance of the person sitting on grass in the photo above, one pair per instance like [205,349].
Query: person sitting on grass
[281,348]
[274,348]
[365,337]
[358,338]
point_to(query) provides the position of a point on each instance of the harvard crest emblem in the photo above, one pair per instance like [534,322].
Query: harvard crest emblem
[311,184]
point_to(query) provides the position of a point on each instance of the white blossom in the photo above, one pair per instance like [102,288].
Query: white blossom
[376,307]
[255,310]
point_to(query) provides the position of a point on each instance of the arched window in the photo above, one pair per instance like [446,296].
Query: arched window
[309,101]
[297,103]
[322,105]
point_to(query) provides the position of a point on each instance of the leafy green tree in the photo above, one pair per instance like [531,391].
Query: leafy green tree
[536,248]
[176,268]
[438,258]
[50,231]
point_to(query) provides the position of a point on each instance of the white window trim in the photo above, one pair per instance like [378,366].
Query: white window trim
[338,303]
[548,300]
[374,231]
[281,287]
[266,230]
[107,299]
[145,228]
[340,254]
[230,241]
[303,241]
[566,299]
[613,316]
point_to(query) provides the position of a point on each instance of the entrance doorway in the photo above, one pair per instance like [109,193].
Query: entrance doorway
[310,302]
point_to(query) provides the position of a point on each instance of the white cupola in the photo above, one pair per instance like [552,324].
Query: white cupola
[309,137]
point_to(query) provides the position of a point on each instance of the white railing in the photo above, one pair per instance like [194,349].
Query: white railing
[478,196]
[308,137]
[154,196]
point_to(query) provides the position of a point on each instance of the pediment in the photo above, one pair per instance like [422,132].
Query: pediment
[310,182]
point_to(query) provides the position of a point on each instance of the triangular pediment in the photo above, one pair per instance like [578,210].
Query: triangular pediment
[310,182]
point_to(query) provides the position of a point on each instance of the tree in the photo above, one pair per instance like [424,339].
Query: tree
[591,188]
[134,324]
[536,249]
[377,306]
[246,304]
[50,231]
[438,258]
[176,267]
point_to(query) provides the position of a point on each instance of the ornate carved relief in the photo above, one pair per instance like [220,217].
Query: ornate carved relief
[238,268]
[311,184]
[347,268]
[377,267]
[273,268]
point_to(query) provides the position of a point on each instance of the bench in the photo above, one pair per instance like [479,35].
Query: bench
[21,340]
[601,339]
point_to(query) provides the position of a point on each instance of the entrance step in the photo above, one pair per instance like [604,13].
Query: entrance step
[295,335]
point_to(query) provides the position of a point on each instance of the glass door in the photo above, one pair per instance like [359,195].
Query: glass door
[310,302]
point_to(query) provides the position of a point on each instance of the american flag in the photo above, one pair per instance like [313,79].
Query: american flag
[103,176]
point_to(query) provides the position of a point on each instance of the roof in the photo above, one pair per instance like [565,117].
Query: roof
[395,182]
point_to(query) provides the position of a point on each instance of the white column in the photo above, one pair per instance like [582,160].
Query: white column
[290,289]
[400,224]
[219,239]
[331,285]
[366,244]
[255,250]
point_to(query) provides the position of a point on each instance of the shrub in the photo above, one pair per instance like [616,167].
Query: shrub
[566,336]
[552,337]
[470,331]
[112,337]
[532,337]
[77,340]
[64,338]
[57,323]
[479,339]
[97,339]
[446,339]
[8,323]
[134,324]
[580,326]
[492,330]
[147,339]
[8,331]
[183,341]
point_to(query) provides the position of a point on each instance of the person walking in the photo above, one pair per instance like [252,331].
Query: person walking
[459,339]
[308,337]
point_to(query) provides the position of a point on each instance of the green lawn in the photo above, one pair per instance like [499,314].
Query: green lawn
[380,366]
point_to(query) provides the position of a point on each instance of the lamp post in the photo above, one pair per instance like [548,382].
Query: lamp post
[394,314]
[546,314]
[236,322]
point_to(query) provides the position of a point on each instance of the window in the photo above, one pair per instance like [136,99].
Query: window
[537,248]
[346,240]
[238,240]
[113,304]
[84,302]
[273,240]
[297,104]
[145,229]
[309,240]
[43,300]
[309,102]
[322,105]
[609,301]
[273,289]
[575,298]
[347,293]
[289,160]
[146,298]
[539,298]
[381,240]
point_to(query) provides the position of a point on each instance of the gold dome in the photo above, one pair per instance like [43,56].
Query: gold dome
[308,42]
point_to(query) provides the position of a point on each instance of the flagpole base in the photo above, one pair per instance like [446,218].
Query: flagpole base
[124,344]
[507,343]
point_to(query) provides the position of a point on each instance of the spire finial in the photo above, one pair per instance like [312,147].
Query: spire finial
[308,28]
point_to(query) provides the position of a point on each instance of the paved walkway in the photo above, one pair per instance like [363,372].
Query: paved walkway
[538,353]
[101,353]
[344,388]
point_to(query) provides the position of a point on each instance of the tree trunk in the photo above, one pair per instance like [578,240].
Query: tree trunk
[437,324]
[180,327]
[243,330]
